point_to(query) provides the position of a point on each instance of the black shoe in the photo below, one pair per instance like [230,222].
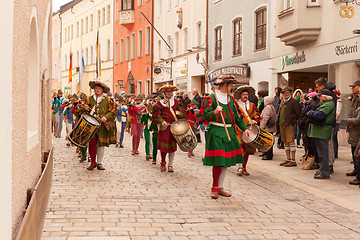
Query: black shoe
[320,176]
[352,173]
[355,182]
[91,167]
[121,146]
[262,155]
[331,168]
[315,166]
[281,147]
[100,167]
[266,158]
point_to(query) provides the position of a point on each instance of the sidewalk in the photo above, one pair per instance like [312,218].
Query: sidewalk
[336,190]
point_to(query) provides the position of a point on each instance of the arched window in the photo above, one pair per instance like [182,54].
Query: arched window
[86,56]
[91,55]
[218,43]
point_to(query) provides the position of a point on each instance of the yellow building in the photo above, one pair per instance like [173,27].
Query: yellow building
[25,126]
[80,22]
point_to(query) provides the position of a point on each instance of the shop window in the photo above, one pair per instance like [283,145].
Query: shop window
[260,29]
[218,43]
[237,42]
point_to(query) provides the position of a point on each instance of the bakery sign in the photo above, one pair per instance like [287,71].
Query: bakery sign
[243,71]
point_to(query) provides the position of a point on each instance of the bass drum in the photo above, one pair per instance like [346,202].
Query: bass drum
[183,135]
[259,138]
[84,130]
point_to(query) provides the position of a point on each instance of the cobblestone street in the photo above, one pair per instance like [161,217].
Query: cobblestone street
[132,199]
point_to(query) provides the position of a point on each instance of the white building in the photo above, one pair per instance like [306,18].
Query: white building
[183,25]
[56,52]
[81,20]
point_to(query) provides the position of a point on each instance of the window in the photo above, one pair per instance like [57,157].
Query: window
[108,49]
[108,14]
[82,27]
[287,4]
[237,43]
[218,43]
[139,43]
[139,87]
[140,2]
[198,29]
[127,5]
[72,31]
[91,22]
[116,52]
[87,56]
[169,51]
[77,29]
[133,46]
[91,55]
[99,18]
[185,40]
[148,86]
[116,10]
[127,53]
[260,31]
[176,43]
[86,25]
[159,50]
[103,16]
[147,40]
[121,50]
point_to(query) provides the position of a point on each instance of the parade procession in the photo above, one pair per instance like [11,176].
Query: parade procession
[180,119]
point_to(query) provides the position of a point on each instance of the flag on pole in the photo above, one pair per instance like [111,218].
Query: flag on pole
[81,67]
[98,59]
[59,68]
[70,69]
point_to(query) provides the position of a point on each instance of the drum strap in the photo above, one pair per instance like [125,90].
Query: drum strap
[172,111]
[245,112]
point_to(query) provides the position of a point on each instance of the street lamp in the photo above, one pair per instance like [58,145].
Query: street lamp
[356,31]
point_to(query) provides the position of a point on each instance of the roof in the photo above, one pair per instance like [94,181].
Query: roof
[69,5]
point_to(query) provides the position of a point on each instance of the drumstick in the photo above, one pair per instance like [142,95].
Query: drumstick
[217,101]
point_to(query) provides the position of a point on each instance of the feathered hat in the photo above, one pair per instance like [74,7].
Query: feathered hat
[225,79]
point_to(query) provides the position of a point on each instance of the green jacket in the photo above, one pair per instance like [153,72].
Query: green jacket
[327,111]
[354,128]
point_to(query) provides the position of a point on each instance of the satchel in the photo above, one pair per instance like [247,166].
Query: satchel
[237,130]
[307,162]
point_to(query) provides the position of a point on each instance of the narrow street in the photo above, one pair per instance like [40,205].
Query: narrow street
[132,199]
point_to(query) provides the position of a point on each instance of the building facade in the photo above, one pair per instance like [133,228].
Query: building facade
[239,40]
[82,22]
[321,44]
[56,52]
[182,24]
[133,49]
[26,127]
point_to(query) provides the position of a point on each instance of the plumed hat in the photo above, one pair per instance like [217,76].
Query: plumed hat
[225,79]
[168,88]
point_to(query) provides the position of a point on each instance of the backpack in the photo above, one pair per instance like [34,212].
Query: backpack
[272,120]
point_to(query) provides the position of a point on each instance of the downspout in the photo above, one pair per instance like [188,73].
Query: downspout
[152,49]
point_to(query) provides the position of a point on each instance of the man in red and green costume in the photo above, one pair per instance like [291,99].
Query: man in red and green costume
[220,152]
[105,109]
[165,116]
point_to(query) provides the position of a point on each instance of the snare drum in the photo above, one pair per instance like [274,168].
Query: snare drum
[84,130]
[259,138]
[183,135]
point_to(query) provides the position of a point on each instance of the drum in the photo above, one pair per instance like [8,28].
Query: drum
[259,138]
[84,130]
[183,135]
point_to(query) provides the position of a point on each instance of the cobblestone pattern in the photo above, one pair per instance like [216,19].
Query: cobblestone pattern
[132,199]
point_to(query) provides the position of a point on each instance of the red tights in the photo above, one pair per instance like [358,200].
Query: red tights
[246,158]
[93,151]
[163,158]
[216,175]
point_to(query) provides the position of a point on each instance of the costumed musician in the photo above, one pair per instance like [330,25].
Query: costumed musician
[84,100]
[251,117]
[121,119]
[136,110]
[105,109]
[220,152]
[165,113]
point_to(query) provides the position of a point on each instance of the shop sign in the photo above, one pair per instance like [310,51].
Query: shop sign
[157,70]
[181,69]
[232,70]
[67,88]
[296,59]
[346,49]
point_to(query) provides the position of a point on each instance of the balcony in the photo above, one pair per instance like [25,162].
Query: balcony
[299,24]
[127,17]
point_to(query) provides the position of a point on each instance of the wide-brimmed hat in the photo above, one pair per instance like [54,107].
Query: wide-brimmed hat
[120,99]
[224,79]
[60,92]
[242,89]
[139,97]
[95,83]
[168,88]
[286,89]
[357,83]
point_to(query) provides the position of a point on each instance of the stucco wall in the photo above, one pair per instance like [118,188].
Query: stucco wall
[26,164]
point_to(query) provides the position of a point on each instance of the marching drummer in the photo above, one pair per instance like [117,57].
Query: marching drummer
[222,149]
[251,117]
[104,108]
[165,113]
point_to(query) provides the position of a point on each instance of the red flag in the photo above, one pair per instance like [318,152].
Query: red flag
[70,69]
